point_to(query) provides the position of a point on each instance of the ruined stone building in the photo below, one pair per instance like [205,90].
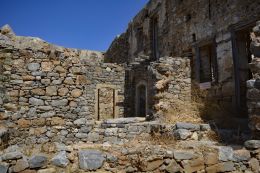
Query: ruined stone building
[216,39]
[168,49]
[171,50]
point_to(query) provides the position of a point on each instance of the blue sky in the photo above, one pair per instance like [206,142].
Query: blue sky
[83,24]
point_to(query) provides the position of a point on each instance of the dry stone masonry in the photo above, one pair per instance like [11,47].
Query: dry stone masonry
[253,85]
[72,111]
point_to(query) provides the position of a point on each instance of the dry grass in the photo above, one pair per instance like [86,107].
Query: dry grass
[197,110]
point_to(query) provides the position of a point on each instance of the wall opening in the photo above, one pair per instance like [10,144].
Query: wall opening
[154,29]
[207,64]
[242,70]
[206,69]
[106,102]
[141,100]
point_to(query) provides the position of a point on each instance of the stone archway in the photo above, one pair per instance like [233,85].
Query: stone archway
[141,100]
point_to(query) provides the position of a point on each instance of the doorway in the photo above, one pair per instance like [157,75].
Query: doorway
[242,58]
[141,100]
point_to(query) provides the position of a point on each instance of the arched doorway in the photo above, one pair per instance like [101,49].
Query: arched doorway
[141,100]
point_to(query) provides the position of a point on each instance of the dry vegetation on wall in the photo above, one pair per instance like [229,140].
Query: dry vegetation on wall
[196,110]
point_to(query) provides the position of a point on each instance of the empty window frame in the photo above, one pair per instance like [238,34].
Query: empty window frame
[140,38]
[207,63]
[154,37]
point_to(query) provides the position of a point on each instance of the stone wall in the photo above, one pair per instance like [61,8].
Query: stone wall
[166,81]
[46,90]
[118,50]
[253,93]
[132,145]
[182,29]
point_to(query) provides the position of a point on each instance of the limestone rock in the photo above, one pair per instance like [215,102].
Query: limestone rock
[76,93]
[90,160]
[81,121]
[49,170]
[60,159]
[57,103]
[188,126]
[51,90]
[211,158]
[241,155]
[152,165]
[183,155]
[4,167]
[221,167]
[47,66]
[182,134]
[37,161]
[254,165]
[173,167]
[252,144]
[36,102]
[21,165]
[33,66]
[63,91]
[69,81]
[225,153]
[81,135]
[38,91]
[12,156]
[23,123]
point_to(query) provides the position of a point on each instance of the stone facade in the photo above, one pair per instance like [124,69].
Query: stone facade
[212,33]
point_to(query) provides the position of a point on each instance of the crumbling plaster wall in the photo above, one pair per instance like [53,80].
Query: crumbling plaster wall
[185,25]
[47,90]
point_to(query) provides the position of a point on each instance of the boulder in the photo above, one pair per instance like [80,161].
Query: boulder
[90,160]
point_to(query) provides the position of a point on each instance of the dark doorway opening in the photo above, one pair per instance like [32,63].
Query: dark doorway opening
[141,101]
[242,58]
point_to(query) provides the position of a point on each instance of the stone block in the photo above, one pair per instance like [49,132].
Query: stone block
[183,155]
[33,66]
[23,123]
[182,134]
[47,66]
[188,126]
[37,161]
[57,103]
[252,144]
[76,93]
[21,165]
[51,91]
[90,160]
[12,156]
[38,91]
[60,159]
[36,102]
